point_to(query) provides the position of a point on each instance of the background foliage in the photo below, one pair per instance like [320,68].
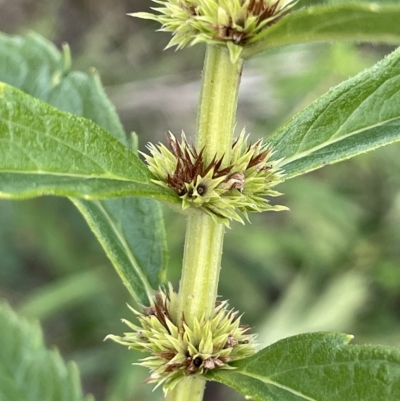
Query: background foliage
[332,263]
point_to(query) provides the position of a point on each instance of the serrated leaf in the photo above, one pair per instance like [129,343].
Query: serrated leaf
[317,367]
[359,115]
[25,59]
[28,371]
[350,21]
[45,151]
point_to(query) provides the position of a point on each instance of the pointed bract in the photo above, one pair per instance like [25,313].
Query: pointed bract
[224,191]
[178,350]
[233,23]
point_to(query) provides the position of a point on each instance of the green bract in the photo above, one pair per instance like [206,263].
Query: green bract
[228,22]
[179,350]
[223,191]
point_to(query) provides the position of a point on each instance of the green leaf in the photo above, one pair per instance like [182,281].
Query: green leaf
[28,371]
[47,151]
[23,60]
[344,21]
[317,367]
[35,66]
[137,252]
[359,115]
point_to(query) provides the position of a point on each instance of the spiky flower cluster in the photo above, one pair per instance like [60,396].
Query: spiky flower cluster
[179,351]
[225,192]
[231,22]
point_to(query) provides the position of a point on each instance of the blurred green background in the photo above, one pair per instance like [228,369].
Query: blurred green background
[331,263]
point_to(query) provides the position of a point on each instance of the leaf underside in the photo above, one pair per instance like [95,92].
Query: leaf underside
[137,252]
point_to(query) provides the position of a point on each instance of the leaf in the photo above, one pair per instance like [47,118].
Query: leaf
[357,22]
[137,252]
[359,115]
[47,151]
[23,60]
[317,367]
[28,371]
[35,66]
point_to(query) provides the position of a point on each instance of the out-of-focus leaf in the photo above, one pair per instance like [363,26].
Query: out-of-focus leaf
[66,292]
[357,116]
[302,310]
[28,371]
[35,66]
[317,367]
[350,21]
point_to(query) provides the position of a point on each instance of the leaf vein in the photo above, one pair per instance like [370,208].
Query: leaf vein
[309,151]
[279,385]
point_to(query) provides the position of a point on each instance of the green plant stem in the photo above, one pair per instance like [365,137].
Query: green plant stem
[202,261]
[204,237]
[218,103]
[192,387]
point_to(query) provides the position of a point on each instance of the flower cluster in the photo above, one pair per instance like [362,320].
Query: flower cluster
[178,350]
[231,22]
[223,191]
